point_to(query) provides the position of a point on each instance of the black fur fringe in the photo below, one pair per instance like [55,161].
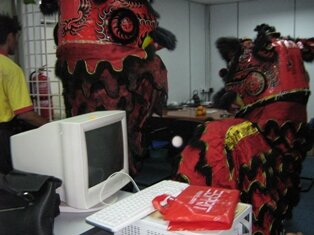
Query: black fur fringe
[49,7]
[164,38]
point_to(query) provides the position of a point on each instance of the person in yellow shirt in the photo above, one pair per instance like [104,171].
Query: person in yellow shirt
[15,102]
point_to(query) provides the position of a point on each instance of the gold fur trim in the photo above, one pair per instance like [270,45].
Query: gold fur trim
[237,132]
[274,97]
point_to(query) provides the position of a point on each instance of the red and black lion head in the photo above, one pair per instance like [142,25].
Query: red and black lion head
[106,58]
[267,69]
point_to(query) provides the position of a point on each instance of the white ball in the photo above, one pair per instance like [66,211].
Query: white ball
[177,141]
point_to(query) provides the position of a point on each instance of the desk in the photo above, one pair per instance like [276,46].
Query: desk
[190,114]
[69,223]
[180,122]
[74,224]
[154,224]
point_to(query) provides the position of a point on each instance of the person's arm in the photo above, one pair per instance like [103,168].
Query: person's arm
[32,118]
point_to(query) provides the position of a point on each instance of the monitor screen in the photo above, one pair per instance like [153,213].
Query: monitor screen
[104,150]
[89,153]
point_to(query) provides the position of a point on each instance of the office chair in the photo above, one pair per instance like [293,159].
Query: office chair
[160,153]
[310,184]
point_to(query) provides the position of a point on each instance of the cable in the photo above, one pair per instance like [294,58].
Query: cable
[66,208]
[105,183]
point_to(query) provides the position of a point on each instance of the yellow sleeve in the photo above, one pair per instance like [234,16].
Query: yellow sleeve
[18,93]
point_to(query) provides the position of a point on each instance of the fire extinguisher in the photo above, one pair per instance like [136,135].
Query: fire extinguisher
[40,93]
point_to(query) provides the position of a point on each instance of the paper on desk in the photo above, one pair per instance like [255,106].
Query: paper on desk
[208,111]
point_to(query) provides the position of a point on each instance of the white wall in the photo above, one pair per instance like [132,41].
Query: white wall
[304,28]
[220,26]
[290,17]
[6,7]
[187,64]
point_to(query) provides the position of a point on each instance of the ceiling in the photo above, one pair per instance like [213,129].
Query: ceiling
[217,1]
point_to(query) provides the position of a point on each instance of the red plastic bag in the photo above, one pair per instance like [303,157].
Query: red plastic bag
[199,208]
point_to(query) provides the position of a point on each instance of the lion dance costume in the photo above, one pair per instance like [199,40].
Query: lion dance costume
[260,151]
[106,59]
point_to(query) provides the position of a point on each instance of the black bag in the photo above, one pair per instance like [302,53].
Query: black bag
[28,203]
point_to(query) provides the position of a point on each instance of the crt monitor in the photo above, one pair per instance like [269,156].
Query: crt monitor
[89,153]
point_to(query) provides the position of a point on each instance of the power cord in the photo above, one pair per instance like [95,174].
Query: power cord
[105,183]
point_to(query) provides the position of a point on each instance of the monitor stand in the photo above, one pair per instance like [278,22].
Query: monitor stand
[64,208]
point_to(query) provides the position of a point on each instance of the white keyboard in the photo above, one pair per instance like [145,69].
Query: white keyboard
[134,207]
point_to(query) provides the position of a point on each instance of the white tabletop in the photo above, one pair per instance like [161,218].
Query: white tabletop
[73,223]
